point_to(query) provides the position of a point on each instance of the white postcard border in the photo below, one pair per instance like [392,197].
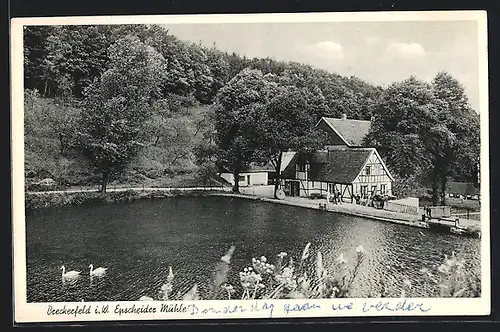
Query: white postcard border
[39,312]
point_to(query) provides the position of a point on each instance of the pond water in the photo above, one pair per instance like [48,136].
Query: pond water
[138,241]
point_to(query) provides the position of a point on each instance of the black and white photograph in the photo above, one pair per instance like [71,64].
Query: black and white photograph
[250,166]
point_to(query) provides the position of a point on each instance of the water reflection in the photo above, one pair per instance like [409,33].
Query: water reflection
[69,282]
[138,241]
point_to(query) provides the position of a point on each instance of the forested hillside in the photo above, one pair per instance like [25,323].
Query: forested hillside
[134,104]
[61,62]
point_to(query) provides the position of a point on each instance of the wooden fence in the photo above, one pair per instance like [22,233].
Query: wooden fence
[401,208]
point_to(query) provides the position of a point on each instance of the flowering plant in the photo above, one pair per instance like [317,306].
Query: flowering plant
[309,278]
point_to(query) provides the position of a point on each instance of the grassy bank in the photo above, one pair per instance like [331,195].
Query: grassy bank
[50,199]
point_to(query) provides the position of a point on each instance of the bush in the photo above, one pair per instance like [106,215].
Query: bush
[410,186]
[36,201]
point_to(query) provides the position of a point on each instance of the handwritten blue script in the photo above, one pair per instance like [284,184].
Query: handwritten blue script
[400,306]
[288,308]
[268,308]
[340,307]
[195,309]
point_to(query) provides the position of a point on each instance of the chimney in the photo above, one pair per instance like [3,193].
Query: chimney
[344,116]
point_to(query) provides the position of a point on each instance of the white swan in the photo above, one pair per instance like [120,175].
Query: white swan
[69,274]
[100,271]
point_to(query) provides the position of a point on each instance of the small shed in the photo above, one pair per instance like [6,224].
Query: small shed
[255,175]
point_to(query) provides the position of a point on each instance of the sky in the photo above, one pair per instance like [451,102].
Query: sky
[378,52]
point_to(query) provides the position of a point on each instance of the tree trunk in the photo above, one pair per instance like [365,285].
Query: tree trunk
[61,141]
[444,181]
[236,186]
[104,183]
[435,188]
[278,175]
[45,88]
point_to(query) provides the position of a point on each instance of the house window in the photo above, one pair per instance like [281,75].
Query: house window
[241,178]
[382,188]
[368,170]
[374,189]
[301,167]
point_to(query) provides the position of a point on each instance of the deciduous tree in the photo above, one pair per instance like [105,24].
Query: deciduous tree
[400,128]
[463,122]
[427,132]
[117,105]
[237,119]
[287,123]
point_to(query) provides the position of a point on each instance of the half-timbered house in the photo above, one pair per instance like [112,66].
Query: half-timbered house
[338,169]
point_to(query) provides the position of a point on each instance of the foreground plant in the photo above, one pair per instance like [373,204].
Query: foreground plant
[449,279]
[300,280]
[309,278]
[452,279]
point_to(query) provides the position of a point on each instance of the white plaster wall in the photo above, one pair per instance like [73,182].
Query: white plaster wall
[256,179]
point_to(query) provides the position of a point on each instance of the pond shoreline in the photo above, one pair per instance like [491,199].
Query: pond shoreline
[141,240]
[43,199]
[412,220]
[351,210]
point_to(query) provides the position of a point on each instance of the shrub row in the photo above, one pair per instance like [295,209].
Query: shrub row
[36,201]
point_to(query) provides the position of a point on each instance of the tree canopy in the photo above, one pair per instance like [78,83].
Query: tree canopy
[427,133]
[117,105]
[122,85]
[238,109]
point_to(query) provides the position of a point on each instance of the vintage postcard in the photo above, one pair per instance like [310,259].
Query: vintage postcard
[250,166]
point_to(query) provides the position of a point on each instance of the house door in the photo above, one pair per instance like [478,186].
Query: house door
[248,179]
[364,191]
[294,188]
[382,189]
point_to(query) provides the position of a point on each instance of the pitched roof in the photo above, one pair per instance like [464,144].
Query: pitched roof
[260,168]
[352,132]
[253,168]
[463,188]
[340,165]
[286,158]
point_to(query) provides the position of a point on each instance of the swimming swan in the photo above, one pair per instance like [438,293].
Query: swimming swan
[97,272]
[69,274]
